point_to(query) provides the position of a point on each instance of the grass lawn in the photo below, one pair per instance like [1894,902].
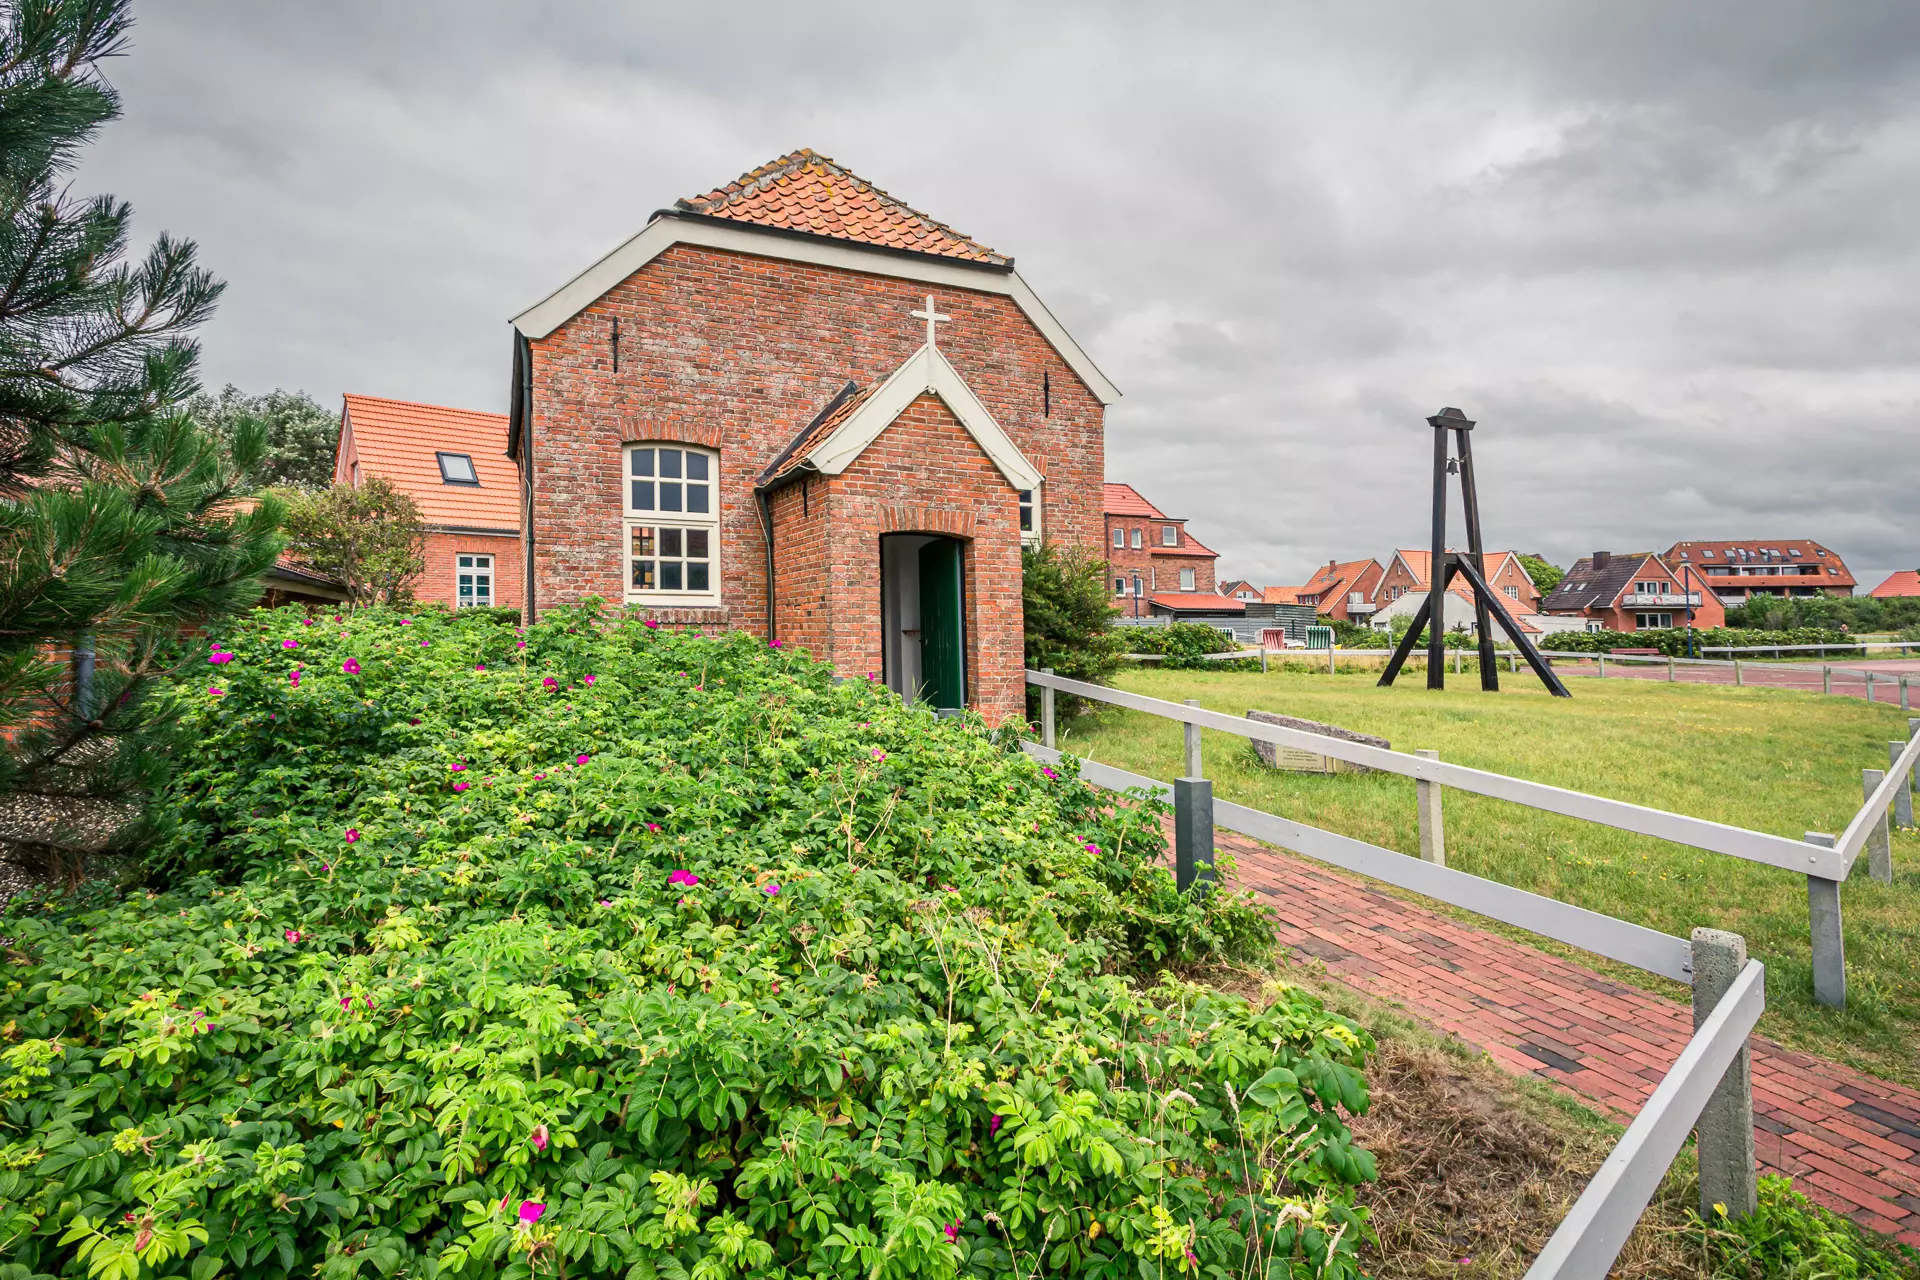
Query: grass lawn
[1768,759]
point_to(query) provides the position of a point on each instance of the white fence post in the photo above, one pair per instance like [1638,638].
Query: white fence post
[1879,839]
[1046,710]
[1826,679]
[1193,744]
[1433,832]
[1329,657]
[1902,814]
[1827,934]
[1669,668]
[1869,686]
[1725,1150]
[1737,678]
[1603,666]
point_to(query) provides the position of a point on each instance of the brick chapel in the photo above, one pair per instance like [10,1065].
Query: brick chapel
[794,405]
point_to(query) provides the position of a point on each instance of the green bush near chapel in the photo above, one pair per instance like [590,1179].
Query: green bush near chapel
[1185,646]
[633,953]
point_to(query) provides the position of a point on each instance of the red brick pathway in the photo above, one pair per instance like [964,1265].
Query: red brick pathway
[1849,680]
[1849,1141]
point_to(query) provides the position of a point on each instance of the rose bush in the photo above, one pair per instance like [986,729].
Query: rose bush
[604,950]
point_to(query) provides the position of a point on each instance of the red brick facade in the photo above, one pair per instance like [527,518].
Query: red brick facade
[737,352]
[435,584]
[1136,544]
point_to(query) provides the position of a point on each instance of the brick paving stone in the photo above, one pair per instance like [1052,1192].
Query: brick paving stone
[1851,1142]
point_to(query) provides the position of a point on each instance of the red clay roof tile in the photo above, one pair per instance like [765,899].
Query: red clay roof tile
[1125,500]
[806,191]
[397,440]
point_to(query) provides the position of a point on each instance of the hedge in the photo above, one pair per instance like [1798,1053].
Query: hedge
[1673,640]
[601,950]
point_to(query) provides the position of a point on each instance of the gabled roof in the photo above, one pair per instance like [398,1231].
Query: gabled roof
[1491,563]
[1125,500]
[1344,577]
[397,440]
[866,231]
[853,420]
[1585,587]
[1904,583]
[806,191]
[1233,586]
[1281,595]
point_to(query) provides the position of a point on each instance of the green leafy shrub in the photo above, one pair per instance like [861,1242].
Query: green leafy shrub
[1069,619]
[633,953]
[1788,1237]
[1184,645]
[1673,640]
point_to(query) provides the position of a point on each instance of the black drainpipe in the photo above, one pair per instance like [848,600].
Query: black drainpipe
[766,536]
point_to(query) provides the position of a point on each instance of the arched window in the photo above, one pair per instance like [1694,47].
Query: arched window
[672,526]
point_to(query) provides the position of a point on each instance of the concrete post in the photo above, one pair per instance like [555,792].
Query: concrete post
[1903,798]
[1736,672]
[1433,833]
[1046,710]
[1906,702]
[1193,744]
[1456,662]
[1879,839]
[1513,663]
[1669,668]
[1603,666]
[1263,657]
[1826,679]
[1725,1150]
[1869,686]
[1193,833]
[1329,657]
[1828,936]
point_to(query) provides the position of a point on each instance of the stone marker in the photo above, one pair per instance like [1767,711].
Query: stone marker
[1295,760]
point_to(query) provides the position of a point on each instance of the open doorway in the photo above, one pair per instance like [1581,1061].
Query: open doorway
[922,618]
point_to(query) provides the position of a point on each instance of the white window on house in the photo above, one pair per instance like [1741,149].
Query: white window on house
[1119,586]
[1137,544]
[1511,592]
[1120,538]
[1707,554]
[473,582]
[457,468]
[1186,579]
[1137,592]
[1029,517]
[672,526]
[1169,535]
[1652,621]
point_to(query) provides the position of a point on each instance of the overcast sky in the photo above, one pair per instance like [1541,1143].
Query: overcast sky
[1665,253]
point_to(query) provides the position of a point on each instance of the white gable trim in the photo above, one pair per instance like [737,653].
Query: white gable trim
[926,370]
[661,234]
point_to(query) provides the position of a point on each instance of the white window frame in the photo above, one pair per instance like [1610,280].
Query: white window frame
[1169,535]
[1031,503]
[1512,592]
[1187,579]
[1651,622]
[1137,544]
[1120,586]
[1119,538]
[468,562]
[667,522]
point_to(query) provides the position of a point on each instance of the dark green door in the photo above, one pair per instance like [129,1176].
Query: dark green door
[943,662]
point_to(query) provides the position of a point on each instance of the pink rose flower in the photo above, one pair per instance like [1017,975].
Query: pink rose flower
[456,768]
[582,758]
[549,683]
[590,679]
[216,691]
[351,667]
[289,644]
[773,890]
[461,786]
[294,935]
[652,625]
[479,666]
[353,834]
[220,659]
[530,1211]
[538,1137]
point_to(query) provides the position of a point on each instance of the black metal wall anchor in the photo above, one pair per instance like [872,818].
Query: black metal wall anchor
[1442,565]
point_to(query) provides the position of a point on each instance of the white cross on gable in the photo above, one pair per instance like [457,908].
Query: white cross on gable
[932,318]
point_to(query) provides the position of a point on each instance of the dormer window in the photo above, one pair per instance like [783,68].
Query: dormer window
[1169,536]
[457,468]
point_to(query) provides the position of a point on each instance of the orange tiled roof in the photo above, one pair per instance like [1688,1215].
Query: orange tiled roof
[806,191]
[1785,551]
[1904,583]
[1417,561]
[1200,600]
[837,410]
[1125,500]
[1281,595]
[397,439]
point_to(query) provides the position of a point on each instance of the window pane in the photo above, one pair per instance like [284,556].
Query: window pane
[696,544]
[696,465]
[483,562]
[643,574]
[482,590]
[670,575]
[696,493]
[670,542]
[643,462]
[670,464]
[643,540]
[643,495]
[696,577]
[669,494]
[466,562]
[466,589]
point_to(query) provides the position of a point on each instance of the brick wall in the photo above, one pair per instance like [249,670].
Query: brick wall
[925,474]
[436,584]
[738,352]
[1159,567]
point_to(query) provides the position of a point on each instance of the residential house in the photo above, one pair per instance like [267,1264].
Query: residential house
[1151,554]
[796,406]
[453,464]
[1737,571]
[1240,589]
[1905,583]
[1406,574]
[1636,592]
[1343,591]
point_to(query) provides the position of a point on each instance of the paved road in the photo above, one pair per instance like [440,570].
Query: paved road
[1850,1141]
